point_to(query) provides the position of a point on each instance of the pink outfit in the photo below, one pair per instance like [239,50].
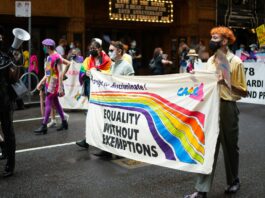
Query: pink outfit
[34,64]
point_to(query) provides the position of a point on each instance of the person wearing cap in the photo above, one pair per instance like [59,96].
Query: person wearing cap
[98,60]
[7,100]
[221,37]
[53,82]
[193,60]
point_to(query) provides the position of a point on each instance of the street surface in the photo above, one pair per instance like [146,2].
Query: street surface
[66,170]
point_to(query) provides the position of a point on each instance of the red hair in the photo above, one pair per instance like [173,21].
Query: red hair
[225,32]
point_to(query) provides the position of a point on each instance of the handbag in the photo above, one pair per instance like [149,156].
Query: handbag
[19,88]
[152,64]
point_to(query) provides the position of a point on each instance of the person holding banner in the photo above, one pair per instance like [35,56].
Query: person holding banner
[98,60]
[221,37]
[120,66]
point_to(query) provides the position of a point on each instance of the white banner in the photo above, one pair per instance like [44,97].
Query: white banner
[255,75]
[73,89]
[169,120]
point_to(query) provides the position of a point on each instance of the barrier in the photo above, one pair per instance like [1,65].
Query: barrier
[255,75]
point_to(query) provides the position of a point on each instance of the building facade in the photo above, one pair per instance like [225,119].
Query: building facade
[150,25]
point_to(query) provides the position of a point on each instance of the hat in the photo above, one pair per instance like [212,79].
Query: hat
[48,42]
[99,41]
[253,45]
[192,52]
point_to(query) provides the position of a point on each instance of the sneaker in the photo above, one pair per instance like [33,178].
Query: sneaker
[197,195]
[52,124]
[234,187]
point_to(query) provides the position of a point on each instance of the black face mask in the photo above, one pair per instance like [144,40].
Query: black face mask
[94,53]
[214,45]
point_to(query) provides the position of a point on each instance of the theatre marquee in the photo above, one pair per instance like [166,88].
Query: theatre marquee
[141,10]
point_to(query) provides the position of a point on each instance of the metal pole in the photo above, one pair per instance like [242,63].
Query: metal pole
[29,76]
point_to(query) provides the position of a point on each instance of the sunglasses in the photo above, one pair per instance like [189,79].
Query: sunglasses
[111,50]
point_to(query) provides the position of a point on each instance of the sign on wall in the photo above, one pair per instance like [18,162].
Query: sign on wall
[141,10]
[23,9]
[261,34]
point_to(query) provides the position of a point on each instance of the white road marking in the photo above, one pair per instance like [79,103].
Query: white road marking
[31,119]
[44,147]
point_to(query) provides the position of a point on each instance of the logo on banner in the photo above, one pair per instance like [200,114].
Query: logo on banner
[195,93]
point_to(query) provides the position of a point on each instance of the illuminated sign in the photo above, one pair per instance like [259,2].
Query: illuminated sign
[156,11]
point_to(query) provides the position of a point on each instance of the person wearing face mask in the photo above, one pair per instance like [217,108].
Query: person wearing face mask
[242,53]
[53,83]
[136,56]
[228,122]
[253,52]
[193,60]
[98,60]
[120,66]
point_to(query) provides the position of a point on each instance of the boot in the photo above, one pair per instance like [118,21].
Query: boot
[10,165]
[82,143]
[64,126]
[41,130]
[8,171]
[104,154]
[3,151]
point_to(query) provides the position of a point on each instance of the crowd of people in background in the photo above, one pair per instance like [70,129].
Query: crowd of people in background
[252,53]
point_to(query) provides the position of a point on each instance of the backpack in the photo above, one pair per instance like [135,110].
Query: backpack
[152,64]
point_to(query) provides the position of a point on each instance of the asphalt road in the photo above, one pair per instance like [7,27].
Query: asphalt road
[66,170]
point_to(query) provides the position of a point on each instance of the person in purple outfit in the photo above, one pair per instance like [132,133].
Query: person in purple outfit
[53,82]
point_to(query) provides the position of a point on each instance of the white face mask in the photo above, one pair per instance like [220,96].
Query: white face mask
[72,46]
[112,55]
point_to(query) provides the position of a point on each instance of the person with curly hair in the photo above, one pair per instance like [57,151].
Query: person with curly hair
[221,37]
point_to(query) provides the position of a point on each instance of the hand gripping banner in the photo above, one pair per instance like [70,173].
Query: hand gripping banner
[169,120]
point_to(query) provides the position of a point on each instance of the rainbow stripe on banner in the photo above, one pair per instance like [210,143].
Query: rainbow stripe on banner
[178,131]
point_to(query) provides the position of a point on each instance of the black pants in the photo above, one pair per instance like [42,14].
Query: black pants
[228,138]
[6,118]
